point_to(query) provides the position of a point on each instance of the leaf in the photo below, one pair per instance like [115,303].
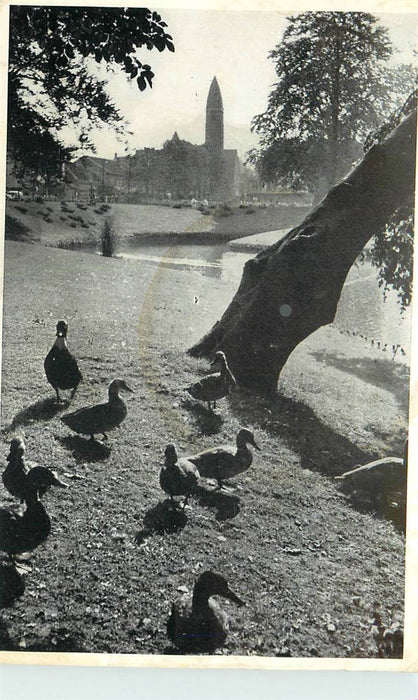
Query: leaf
[141,83]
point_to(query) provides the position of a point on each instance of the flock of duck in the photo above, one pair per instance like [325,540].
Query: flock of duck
[197,622]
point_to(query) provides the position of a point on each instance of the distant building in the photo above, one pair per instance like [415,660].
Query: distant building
[180,170]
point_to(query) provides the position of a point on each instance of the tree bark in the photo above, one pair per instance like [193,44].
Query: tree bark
[292,288]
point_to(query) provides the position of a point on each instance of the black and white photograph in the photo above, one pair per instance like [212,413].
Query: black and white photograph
[206,334]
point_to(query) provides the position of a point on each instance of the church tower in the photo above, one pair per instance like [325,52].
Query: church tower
[214,119]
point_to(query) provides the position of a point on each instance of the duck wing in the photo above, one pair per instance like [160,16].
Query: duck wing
[208,388]
[95,419]
[179,479]
[212,463]
[190,630]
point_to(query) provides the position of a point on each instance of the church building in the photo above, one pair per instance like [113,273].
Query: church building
[180,170]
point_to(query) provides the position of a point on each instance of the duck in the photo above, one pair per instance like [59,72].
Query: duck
[197,622]
[21,479]
[60,366]
[12,584]
[226,461]
[214,386]
[178,477]
[23,533]
[102,417]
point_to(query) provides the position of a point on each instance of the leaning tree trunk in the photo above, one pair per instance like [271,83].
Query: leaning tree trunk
[292,288]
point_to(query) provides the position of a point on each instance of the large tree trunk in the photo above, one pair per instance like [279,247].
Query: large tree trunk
[292,288]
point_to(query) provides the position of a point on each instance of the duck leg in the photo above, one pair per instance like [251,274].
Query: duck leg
[73,393]
[58,395]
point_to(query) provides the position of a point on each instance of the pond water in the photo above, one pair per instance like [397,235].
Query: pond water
[361,308]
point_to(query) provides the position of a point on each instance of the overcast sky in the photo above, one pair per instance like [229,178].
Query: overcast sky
[234,47]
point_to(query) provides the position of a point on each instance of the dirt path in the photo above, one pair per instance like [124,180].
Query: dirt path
[311,568]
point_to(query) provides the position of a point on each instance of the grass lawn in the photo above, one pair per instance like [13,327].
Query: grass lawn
[311,568]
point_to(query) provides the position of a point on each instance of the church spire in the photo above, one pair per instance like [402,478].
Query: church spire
[214,118]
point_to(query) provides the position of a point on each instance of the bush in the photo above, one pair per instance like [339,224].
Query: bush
[39,200]
[108,239]
[49,209]
[63,218]
[23,210]
[73,224]
[223,210]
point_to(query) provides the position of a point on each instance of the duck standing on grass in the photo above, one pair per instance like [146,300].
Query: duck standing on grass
[178,477]
[23,533]
[226,461]
[60,366]
[102,417]
[214,386]
[23,480]
[198,623]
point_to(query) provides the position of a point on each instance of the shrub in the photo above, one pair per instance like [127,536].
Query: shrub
[49,209]
[223,210]
[108,239]
[23,210]
[63,218]
[73,224]
[39,200]
[84,225]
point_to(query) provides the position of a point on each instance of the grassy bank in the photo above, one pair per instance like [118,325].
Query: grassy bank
[311,567]
[71,225]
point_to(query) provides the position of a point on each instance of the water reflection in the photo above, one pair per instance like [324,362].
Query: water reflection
[361,308]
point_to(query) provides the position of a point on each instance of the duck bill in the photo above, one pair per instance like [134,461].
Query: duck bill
[128,388]
[254,444]
[235,599]
[57,482]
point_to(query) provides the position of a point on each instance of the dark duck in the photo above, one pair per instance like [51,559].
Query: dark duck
[24,480]
[101,418]
[60,366]
[178,477]
[226,461]
[197,622]
[23,533]
[214,386]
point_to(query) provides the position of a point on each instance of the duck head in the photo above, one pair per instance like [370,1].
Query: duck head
[62,328]
[170,453]
[219,360]
[246,437]
[211,583]
[118,385]
[17,449]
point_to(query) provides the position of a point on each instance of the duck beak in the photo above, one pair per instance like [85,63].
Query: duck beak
[254,444]
[128,388]
[57,482]
[232,596]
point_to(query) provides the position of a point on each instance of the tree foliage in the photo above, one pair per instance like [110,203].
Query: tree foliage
[391,251]
[52,81]
[332,87]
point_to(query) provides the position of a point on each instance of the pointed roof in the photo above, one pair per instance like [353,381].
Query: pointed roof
[214,96]
[175,137]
